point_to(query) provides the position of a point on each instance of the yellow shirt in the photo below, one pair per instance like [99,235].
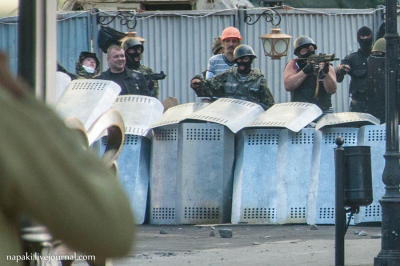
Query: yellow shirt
[46,174]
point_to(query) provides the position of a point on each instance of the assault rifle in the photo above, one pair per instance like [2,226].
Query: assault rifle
[315,60]
[155,76]
[150,80]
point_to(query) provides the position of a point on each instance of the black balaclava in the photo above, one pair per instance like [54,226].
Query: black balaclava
[303,63]
[308,53]
[247,67]
[131,63]
[365,44]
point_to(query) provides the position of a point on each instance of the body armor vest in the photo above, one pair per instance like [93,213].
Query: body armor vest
[242,90]
[138,85]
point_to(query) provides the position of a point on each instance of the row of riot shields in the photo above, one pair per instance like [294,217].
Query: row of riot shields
[231,161]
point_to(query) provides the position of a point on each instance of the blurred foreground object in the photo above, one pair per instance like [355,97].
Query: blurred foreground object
[48,176]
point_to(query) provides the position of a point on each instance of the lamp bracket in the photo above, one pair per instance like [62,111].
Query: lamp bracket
[128,18]
[271,16]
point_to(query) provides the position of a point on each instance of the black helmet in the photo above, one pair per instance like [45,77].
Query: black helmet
[131,42]
[243,50]
[303,41]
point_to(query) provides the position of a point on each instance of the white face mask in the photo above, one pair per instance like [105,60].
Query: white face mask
[88,69]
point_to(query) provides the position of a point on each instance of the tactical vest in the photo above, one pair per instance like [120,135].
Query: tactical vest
[305,93]
[242,90]
[137,84]
[359,69]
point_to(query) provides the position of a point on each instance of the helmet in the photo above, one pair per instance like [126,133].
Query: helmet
[231,32]
[302,41]
[243,50]
[217,47]
[128,43]
[379,46]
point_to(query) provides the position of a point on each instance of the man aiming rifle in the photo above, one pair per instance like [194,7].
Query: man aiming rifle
[310,78]
[315,60]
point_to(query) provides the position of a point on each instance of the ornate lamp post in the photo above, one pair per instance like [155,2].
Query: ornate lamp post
[390,202]
[275,43]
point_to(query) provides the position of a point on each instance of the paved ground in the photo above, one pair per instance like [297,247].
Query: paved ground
[250,245]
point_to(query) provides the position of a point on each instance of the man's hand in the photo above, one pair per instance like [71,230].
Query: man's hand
[344,69]
[308,69]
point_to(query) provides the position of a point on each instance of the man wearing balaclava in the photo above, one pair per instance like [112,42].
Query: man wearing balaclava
[239,82]
[133,53]
[309,81]
[356,66]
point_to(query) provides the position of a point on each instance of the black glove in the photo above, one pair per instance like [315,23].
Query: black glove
[324,71]
[308,69]
[326,67]
[322,74]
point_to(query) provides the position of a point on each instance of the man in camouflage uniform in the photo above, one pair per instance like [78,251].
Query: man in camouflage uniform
[87,66]
[133,53]
[240,82]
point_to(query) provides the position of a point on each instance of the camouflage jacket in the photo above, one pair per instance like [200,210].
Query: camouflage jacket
[145,70]
[218,86]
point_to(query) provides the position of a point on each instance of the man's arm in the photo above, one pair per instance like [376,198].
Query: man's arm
[265,94]
[329,81]
[210,87]
[291,78]
[343,69]
[210,70]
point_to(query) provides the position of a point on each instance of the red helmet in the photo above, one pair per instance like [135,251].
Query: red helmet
[231,32]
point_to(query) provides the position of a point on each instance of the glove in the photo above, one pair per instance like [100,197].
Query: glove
[326,67]
[308,69]
[322,74]
[324,71]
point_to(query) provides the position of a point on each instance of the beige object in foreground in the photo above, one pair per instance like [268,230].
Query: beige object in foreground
[46,175]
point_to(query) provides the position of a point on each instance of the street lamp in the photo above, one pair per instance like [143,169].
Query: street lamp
[275,43]
[390,202]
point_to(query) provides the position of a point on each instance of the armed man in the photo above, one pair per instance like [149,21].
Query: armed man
[143,75]
[240,82]
[310,78]
[356,65]
[131,82]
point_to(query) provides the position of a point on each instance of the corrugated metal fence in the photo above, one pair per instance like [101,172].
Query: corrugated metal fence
[179,42]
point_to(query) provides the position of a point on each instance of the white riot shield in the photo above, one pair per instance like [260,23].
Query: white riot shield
[87,99]
[293,116]
[232,113]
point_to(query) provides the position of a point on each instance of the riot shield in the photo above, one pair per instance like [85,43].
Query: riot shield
[376,87]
